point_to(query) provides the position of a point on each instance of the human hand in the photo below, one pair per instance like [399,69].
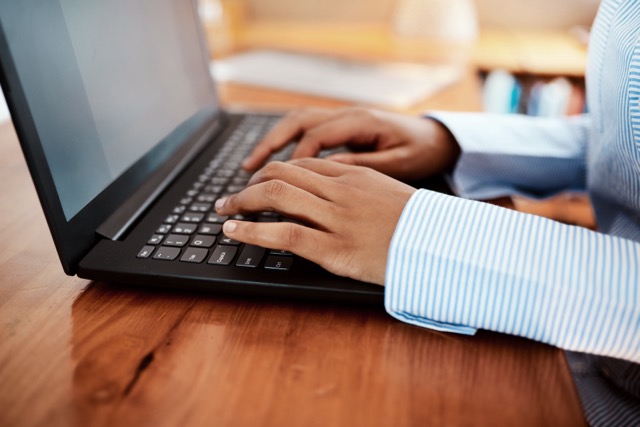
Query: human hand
[347,214]
[404,147]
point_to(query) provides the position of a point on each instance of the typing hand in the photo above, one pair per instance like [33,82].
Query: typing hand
[404,147]
[349,214]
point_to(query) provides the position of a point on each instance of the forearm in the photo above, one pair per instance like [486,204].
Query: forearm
[461,265]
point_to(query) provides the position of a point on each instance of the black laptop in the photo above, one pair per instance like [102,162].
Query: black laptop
[128,148]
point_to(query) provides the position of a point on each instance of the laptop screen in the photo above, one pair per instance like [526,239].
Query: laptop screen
[105,82]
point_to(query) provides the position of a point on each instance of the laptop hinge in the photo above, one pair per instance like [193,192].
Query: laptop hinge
[123,218]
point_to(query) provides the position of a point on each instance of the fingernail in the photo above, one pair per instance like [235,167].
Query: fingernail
[229,227]
[246,162]
[220,202]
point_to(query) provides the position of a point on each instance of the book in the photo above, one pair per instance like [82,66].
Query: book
[505,93]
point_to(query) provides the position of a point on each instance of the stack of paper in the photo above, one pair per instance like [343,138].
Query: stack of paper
[393,85]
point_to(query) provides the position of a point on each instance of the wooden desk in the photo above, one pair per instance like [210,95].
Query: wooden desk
[75,353]
[79,353]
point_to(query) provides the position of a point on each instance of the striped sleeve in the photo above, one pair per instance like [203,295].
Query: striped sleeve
[459,265]
[514,154]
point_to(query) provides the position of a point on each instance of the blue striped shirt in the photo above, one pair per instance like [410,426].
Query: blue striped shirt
[460,265]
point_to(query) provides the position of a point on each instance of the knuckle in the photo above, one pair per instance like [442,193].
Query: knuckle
[272,169]
[303,162]
[357,161]
[292,115]
[292,236]
[231,202]
[275,189]
[363,114]
[356,173]
[299,113]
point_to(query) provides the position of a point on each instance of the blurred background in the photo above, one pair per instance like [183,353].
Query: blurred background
[523,41]
[498,56]
[513,57]
[556,14]
[530,55]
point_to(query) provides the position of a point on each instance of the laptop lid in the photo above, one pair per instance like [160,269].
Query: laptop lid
[104,96]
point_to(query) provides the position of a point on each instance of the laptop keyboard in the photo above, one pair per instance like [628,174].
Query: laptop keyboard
[192,231]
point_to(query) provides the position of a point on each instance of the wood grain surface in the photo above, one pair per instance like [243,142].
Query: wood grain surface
[78,353]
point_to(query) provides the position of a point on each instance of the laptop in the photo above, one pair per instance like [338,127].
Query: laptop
[128,148]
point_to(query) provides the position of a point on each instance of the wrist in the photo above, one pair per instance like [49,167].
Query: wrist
[446,144]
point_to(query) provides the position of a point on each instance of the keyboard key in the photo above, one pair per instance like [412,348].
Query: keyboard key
[280,252]
[203,241]
[192,217]
[176,240]
[241,217]
[155,239]
[166,253]
[178,210]
[145,252]
[219,180]
[207,198]
[274,262]
[240,180]
[267,219]
[194,214]
[235,188]
[213,189]
[196,255]
[229,241]
[269,214]
[211,229]
[184,228]
[250,256]
[163,229]
[200,207]
[172,219]
[215,218]
[223,255]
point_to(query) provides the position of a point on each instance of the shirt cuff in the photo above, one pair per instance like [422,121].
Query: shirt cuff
[399,282]
[503,155]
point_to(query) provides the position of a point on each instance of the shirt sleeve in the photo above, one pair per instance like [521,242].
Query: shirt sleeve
[459,265]
[504,155]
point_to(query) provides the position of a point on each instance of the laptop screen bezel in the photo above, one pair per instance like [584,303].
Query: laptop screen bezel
[75,237]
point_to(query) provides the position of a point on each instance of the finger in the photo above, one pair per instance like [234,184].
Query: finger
[298,239]
[300,177]
[346,129]
[386,161]
[286,130]
[322,167]
[275,195]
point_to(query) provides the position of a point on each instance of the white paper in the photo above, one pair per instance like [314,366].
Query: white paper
[392,84]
